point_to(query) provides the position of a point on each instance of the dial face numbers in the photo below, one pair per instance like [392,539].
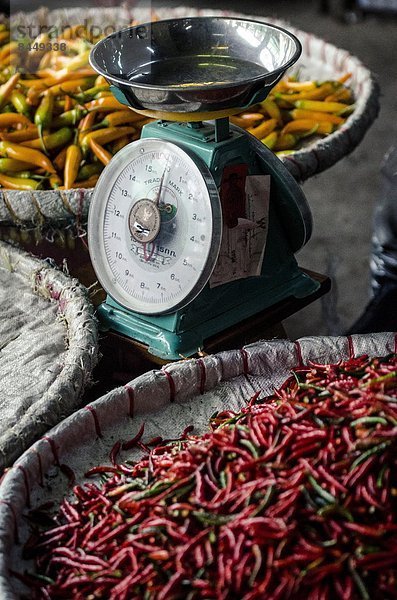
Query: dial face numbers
[154,227]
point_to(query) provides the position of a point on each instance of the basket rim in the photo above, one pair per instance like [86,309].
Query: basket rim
[81,355]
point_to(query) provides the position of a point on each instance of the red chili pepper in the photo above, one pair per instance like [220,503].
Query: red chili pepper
[133,441]
[288,498]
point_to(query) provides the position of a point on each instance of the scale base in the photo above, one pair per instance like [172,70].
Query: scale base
[178,342]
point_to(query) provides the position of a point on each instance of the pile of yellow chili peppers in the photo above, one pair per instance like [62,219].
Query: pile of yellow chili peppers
[60,124]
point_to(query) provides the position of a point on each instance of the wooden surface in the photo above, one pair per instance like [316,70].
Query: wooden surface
[123,358]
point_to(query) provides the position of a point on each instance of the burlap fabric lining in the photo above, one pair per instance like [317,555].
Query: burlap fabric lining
[319,59]
[48,348]
[166,400]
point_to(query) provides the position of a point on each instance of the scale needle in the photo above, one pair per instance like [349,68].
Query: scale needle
[158,195]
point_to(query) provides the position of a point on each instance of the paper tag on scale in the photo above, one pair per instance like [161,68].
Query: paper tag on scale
[245,210]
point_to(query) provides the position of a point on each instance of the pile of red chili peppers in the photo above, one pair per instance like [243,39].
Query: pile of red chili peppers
[294,497]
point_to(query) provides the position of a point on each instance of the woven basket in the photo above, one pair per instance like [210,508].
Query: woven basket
[319,60]
[48,348]
[166,401]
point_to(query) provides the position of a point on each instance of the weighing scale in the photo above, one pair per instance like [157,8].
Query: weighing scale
[193,228]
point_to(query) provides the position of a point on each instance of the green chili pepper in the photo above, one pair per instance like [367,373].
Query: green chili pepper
[311,386]
[250,447]
[320,491]
[52,140]
[359,582]
[87,171]
[212,518]
[379,481]
[70,117]
[368,420]
[90,94]
[43,114]
[11,165]
[368,453]
[380,379]
[333,508]
[18,183]
[266,500]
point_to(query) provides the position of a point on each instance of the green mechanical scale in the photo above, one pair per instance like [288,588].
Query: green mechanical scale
[194,227]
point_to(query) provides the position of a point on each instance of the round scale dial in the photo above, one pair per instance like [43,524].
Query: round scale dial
[154,227]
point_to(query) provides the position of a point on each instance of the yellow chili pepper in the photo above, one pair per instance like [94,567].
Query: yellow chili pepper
[87,122]
[11,59]
[301,113]
[100,152]
[30,155]
[6,89]
[272,109]
[246,120]
[87,183]
[81,60]
[70,86]
[325,127]
[263,129]
[33,96]
[320,92]
[305,127]
[33,83]
[4,35]
[69,103]
[300,126]
[13,119]
[6,50]
[344,77]
[121,117]
[298,86]
[270,140]
[80,73]
[55,181]
[106,135]
[108,103]
[22,135]
[341,95]
[100,80]
[18,183]
[104,94]
[12,166]
[285,142]
[72,164]
[120,143]
[332,107]
[85,126]
[45,60]
[19,102]
[59,160]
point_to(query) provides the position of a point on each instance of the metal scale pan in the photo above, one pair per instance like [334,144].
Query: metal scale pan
[189,67]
